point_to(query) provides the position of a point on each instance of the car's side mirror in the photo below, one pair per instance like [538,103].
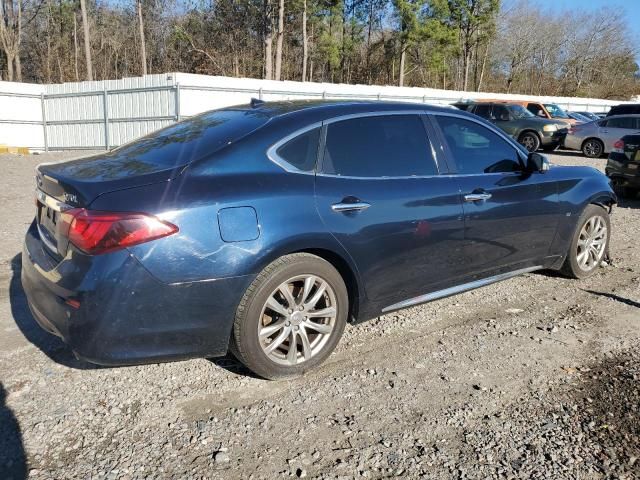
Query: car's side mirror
[537,162]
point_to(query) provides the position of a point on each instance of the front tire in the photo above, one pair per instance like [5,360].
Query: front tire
[590,243]
[530,141]
[291,317]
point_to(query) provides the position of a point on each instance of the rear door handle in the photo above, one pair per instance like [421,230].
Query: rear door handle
[350,206]
[476,197]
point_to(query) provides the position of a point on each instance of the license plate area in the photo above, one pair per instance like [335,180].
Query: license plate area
[47,219]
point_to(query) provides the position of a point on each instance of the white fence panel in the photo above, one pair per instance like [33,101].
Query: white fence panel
[102,114]
[21,115]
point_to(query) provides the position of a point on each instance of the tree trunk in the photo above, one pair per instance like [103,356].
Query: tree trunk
[87,40]
[143,47]
[483,67]
[75,46]
[18,72]
[268,41]
[305,41]
[9,67]
[403,54]
[279,40]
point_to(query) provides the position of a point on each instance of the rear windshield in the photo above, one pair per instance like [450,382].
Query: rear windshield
[192,139]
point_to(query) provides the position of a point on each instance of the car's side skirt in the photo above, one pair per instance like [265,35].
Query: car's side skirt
[447,292]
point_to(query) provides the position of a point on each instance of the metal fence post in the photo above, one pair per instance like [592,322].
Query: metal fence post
[260,93]
[177,102]
[44,122]
[105,110]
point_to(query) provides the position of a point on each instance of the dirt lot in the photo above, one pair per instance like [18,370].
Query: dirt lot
[536,377]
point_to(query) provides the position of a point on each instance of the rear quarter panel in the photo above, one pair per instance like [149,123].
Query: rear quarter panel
[240,176]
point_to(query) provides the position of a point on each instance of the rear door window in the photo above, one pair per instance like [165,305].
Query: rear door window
[476,149]
[378,146]
[622,122]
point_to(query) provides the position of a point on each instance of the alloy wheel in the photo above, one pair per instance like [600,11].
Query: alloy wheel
[593,148]
[592,243]
[297,319]
[529,142]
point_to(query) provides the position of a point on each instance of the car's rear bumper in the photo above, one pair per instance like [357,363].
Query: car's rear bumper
[125,315]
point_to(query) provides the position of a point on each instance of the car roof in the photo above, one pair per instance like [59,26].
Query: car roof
[634,115]
[333,108]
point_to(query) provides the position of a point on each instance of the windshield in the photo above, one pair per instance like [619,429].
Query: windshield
[555,111]
[518,111]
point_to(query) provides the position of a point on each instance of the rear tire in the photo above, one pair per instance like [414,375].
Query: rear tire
[589,244]
[291,317]
[530,141]
[592,148]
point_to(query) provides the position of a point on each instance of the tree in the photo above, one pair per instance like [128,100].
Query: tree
[87,40]
[268,40]
[143,48]
[11,36]
[280,39]
[471,17]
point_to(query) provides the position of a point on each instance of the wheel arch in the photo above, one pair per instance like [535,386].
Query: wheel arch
[530,130]
[346,271]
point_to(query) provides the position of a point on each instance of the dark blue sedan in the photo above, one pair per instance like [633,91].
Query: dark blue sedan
[265,228]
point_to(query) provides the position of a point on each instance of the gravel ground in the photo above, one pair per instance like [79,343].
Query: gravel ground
[535,377]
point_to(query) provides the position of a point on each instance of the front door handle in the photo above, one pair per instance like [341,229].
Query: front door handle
[476,197]
[350,206]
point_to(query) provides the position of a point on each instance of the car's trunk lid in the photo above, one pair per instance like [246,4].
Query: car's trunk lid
[158,157]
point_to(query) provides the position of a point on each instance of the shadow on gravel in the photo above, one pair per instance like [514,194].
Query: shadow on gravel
[615,297]
[49,344]
[233,365]
[13,463]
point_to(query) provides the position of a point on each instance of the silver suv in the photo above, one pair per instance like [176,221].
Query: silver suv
[597,138]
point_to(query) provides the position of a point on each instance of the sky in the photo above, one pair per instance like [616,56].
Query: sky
[632,7]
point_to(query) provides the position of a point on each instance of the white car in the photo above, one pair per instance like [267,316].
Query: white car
[597,138]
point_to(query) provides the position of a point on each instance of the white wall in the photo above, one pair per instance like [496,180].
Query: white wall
[75,111]
[217,92]
[21,109]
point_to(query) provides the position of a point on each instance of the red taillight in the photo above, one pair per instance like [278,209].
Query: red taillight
[97,232]
[618,146]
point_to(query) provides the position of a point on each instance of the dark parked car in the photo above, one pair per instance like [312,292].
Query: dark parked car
[590,115]
[531,131]
[623,165]
[625,109]
[265,228]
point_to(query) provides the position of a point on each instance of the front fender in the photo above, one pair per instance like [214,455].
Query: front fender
[577,188]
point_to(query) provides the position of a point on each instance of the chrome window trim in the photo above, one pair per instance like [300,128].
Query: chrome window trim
[419,113]
[281,162]
[447,292]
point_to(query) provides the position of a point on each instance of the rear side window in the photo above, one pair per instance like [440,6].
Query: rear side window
[476,149]
[622,122]
[302,151]
[483,111]
[378,146]
[536,109]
